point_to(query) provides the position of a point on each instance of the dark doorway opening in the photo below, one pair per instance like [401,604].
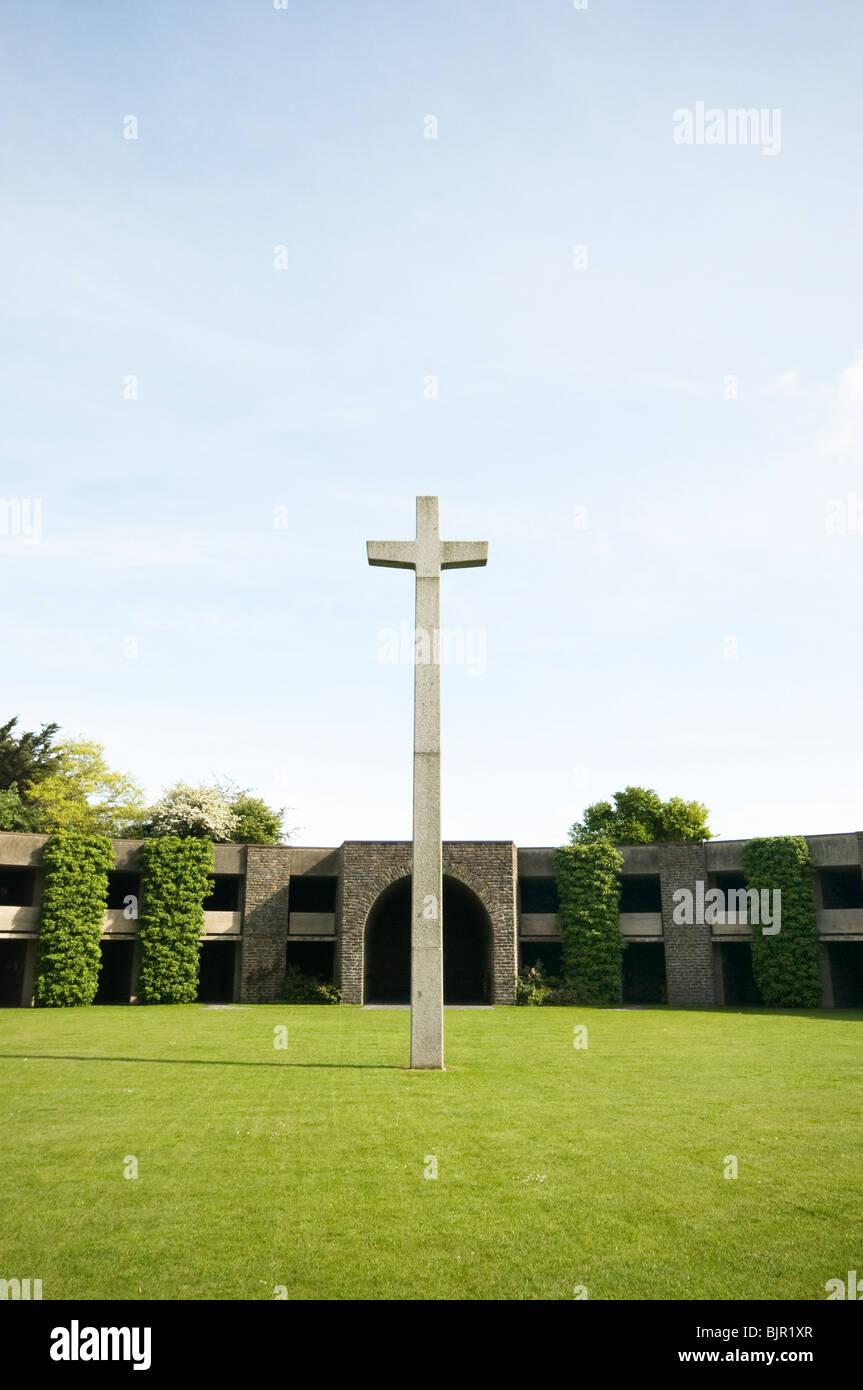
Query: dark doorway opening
[466,947]
[115,973]
[548,954]
[216,972]
[312,893]
[316,959]
[538,895]
[841,888]
[17,888]
[122,887]
[13,958]
[737,977]
[643,973]
[846,971]
[640,893]
[729,881]
[224,894]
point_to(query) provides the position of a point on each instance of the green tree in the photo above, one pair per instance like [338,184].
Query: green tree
[183,810]
[222,812]
[257,823]
[27,758]
[639,816]
[83,793]
[16,814]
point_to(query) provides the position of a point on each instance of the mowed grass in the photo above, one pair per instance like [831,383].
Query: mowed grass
[304,1168]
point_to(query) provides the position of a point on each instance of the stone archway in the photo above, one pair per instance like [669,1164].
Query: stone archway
[467,938]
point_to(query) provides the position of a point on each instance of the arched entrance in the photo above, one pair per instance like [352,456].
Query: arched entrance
[466,946]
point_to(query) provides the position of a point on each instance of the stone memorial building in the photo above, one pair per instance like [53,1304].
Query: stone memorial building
[344,914]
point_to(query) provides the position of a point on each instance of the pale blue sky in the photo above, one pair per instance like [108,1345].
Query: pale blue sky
[303,388]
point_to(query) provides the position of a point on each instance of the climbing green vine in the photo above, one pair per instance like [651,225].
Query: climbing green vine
[74,895]
[785,965]
[175,880]
[588,886]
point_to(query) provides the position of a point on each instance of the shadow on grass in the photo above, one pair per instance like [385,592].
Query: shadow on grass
[193,1061]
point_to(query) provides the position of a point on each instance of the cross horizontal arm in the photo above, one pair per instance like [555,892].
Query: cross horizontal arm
[463,555]
[399,555]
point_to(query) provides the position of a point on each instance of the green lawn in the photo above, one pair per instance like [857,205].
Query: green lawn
[304,1167]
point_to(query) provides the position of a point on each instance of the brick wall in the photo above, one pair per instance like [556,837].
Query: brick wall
[488,868]
[367,869]
[265,923]
[689,962]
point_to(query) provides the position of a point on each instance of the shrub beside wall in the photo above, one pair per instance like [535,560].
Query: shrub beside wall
[588,886]
[175,880]
[307,989]
[785,966]
[70,926]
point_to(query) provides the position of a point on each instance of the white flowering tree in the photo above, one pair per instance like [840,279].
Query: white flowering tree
[185,810]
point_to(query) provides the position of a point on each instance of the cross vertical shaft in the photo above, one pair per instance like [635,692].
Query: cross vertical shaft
[427,879]
[427,555]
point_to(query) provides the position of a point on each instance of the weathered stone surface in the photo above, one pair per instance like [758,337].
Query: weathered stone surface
[265,923]
[688,949]
[488,868]
[427,555]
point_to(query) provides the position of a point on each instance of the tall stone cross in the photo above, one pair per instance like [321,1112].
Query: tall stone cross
[427,555]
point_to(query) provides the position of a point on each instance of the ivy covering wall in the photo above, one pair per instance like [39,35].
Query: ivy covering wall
[588,886]
[74,896]
[175,880]
[786,966]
